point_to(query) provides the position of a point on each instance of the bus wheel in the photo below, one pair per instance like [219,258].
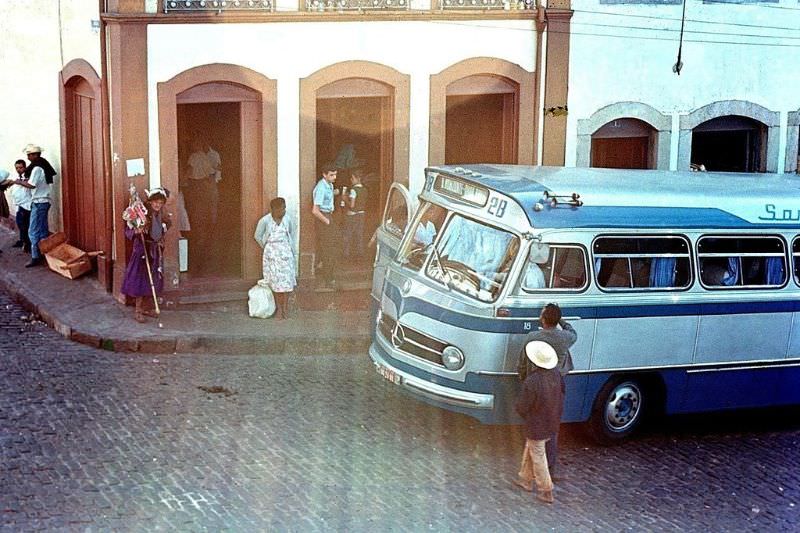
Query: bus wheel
[617,411]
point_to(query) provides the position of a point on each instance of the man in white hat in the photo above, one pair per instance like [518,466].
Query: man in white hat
[40,175]
[559,334]
[540,404]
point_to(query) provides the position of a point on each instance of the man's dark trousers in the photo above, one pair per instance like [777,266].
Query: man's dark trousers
[327,248]
[23,220]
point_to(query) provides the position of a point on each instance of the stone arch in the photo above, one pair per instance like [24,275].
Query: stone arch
[260,147]
[743,108]
[660,122]
[398,86]
[524,80]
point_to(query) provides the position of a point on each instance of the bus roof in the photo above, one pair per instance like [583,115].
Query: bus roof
[643,198]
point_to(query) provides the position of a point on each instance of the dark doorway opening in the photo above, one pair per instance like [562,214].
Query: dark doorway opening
[354,133]
[624,143]
[480,128]
[730,144]
[214,243]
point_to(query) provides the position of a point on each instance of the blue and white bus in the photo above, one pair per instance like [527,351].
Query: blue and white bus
[684,289]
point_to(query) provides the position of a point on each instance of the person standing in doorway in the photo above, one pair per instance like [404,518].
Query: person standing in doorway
[275,233]
[22,199]
[202,196]
[540,404]
[40,175]
[324,229]
[354,219]
[561,340]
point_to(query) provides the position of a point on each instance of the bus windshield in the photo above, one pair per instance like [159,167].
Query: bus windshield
[469,257]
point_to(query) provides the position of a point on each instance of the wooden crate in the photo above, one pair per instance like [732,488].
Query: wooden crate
[64,258]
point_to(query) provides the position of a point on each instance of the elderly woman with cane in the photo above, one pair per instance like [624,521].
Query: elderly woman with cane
[146,226]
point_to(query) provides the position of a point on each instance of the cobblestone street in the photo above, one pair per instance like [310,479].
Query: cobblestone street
[94,440]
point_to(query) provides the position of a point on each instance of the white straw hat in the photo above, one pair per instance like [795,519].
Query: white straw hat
[33,149]
[541,354]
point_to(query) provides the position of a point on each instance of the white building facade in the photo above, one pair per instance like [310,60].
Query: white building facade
[124,91]
[734,106]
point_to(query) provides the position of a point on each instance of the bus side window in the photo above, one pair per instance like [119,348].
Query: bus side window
[737,262]
[796,259]
[565,268]
[642,262]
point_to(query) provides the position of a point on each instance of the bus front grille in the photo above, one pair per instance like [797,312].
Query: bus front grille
[411,341]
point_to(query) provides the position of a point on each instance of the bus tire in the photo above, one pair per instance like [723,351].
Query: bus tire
[618,410]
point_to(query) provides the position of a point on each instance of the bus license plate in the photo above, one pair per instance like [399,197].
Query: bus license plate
[389,374]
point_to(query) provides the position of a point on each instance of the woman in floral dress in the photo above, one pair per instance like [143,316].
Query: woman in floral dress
[275,233]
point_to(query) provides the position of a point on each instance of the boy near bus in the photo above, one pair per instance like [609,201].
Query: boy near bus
[540,404]
[354,219]
[560,340]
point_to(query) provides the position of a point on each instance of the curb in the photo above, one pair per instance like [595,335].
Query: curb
[205,344]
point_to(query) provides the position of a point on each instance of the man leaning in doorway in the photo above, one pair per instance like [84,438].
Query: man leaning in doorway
[326,237]
[40,175]
[204,171]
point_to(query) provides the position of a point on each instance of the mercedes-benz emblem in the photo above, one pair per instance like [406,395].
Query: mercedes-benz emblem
[398,336]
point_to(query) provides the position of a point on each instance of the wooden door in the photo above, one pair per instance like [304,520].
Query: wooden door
[620,152]
[85,217]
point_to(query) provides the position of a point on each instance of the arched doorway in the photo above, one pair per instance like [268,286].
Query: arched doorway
[503,96]
[355,128]
[481,120]
[231,110]
[730,144]
[730,135]
[624,143]
[83,187]
[356,123]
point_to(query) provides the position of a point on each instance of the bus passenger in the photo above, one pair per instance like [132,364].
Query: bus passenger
[561,340]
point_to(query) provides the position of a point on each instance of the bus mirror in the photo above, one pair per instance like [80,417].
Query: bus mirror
[539,252]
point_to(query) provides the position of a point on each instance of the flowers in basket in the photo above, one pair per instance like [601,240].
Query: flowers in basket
[135,215]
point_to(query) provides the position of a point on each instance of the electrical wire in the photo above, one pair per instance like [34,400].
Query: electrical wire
[622,36]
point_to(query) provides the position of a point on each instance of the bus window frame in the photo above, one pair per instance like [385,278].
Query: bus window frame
[780,238]
[692,274]
[587,282]
[793,255]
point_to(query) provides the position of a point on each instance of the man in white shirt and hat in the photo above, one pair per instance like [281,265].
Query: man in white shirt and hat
[40,175]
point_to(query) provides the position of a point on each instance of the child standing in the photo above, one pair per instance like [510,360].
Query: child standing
[147,251]
[354,219]
[275,234]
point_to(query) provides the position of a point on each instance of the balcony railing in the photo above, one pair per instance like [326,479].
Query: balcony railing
[494,5]
[199,6]
[357,5]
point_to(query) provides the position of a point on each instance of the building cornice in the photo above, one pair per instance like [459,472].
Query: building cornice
[307,16]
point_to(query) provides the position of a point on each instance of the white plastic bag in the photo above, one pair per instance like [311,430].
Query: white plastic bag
[261,302]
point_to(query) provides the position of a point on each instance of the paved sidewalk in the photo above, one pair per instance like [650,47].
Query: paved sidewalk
[82,311]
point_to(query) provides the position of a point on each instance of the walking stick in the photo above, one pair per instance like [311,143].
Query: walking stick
[150,274]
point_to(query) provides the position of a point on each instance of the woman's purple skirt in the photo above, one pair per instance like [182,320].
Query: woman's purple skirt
[136,283]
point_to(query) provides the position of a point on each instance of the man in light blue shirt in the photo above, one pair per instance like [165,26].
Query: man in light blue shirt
[324,230]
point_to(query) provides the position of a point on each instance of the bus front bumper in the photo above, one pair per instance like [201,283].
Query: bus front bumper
[433,392]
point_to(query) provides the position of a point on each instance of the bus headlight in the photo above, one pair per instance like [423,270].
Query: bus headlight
[452,358]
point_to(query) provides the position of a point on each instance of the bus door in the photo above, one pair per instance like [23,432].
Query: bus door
[396,217]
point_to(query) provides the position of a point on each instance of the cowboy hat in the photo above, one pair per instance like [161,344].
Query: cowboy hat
[33,149]
[541,354]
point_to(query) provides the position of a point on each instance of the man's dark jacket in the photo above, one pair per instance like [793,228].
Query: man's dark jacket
[541,403]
